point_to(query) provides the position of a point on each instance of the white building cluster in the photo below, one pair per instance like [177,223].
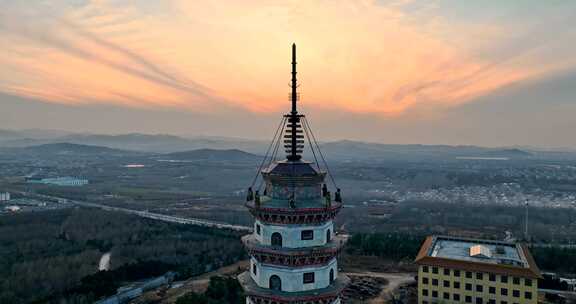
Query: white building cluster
[4,196]
[60,181]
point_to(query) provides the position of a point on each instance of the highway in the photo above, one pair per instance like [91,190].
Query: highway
[156,216]
[167,218]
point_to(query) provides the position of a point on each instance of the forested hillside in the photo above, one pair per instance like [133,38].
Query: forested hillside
[53,255]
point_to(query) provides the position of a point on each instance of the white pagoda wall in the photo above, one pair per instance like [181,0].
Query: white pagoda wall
[291,234]
[292,278]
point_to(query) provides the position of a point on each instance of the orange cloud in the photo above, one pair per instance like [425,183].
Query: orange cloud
[357,56]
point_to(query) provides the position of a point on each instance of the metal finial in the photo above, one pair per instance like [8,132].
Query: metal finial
[294,142]
[294,85]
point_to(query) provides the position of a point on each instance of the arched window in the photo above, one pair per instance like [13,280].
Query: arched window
[328,236]
[331,276]
[276,239]
[275,283]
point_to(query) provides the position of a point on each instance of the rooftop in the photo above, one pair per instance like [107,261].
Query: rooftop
[478,250]
[478,255]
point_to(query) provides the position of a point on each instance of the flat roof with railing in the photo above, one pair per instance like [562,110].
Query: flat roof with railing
[484,251]
[478,255]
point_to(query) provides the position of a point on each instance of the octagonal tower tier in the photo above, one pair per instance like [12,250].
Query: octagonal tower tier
[294,248]
[294,196]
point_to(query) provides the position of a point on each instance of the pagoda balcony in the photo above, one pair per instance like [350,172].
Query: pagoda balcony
[293,257]
[273,211]
[259,295]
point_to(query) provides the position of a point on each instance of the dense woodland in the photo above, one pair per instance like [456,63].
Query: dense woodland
[220,290]
[395,246]
[55,254]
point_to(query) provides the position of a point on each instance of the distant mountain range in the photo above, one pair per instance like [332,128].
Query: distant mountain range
[212,154]
[156,143]
[66,149]
[76,151]
[138,142]
[180,148]
[31,134]
[350,150]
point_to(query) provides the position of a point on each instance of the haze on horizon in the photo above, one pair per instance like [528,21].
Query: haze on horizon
[490,73]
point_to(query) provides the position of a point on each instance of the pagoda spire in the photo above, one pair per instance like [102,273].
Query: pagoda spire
[294,84]
[294,137]
[293,248]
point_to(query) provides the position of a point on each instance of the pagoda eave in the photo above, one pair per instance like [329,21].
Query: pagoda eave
[294,215]
[317,296]
[298,257]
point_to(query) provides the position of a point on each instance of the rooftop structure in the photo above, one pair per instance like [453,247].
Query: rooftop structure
[480,251]
[463,270]
[293,249]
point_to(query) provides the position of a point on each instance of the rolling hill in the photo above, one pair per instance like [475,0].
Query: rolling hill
[213,155]
[66,149]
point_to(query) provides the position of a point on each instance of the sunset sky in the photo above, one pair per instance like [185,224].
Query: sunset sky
[495,73]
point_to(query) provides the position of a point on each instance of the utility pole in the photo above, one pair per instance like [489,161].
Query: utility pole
[526,237]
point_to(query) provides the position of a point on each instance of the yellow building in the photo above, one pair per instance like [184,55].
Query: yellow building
[461,270]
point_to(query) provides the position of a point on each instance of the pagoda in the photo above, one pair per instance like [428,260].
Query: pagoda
[293,248]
